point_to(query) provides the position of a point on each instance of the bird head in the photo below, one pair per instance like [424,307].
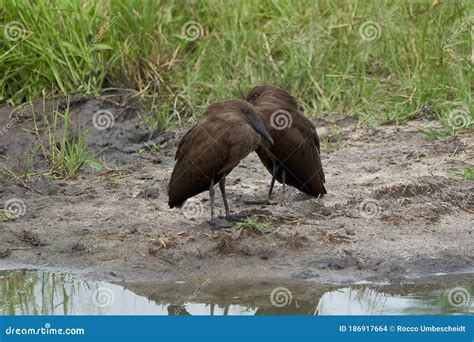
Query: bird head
[255,93]
[253,117]
[244,110]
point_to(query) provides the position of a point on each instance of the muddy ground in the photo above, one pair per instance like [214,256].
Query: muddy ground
[393,208]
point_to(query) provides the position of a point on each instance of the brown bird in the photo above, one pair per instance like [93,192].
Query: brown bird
[211,149]
[294,158]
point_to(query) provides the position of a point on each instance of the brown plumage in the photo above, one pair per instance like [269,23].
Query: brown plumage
[295,156]
[211,149]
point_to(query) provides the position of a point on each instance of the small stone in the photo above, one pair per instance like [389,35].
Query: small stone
[4,253]
[153,193]
[372,169]
[77,247]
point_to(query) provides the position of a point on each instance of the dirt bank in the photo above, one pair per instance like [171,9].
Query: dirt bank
[393,209]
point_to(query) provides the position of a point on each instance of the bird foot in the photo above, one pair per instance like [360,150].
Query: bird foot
[236,217]
[216,226]
[258,201]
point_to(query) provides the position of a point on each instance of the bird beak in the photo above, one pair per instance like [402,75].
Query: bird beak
[258,126]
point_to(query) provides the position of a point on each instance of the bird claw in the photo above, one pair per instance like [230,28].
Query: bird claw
[214,225]
[236,217]
[258,202]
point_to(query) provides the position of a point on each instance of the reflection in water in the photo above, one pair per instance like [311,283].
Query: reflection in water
[347,301]
[45,293]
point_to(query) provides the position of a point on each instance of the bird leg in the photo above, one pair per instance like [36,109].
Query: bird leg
[224,197]
[212,222]
[272,183]
[270,190]
[228,215]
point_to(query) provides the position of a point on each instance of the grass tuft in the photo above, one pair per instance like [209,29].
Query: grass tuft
[4,217]
[466,173]
[254,225]
[65,150]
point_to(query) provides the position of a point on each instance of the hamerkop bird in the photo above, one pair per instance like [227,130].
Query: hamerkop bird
[211,149]
[294,157]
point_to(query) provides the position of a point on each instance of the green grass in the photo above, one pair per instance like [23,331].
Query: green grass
[65,150]
[254,225]
[431,134]
[152,148]
[466,173]
[4,216]
[421,58]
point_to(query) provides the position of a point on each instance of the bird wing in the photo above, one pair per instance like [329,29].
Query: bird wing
[199,158]
[241,140]
[189,133]
[207,152]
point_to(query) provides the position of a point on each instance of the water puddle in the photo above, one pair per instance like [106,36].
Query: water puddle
[45,293]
